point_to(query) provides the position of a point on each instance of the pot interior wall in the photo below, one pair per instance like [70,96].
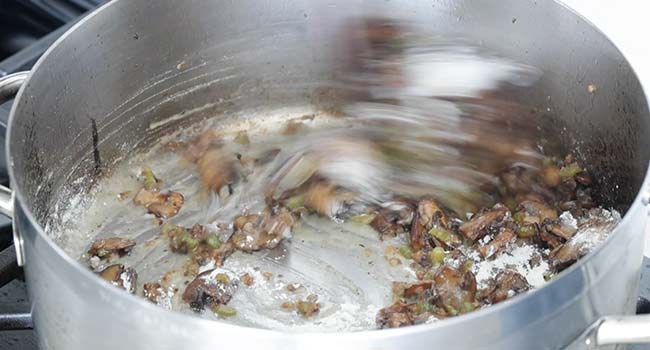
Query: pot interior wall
[139,69]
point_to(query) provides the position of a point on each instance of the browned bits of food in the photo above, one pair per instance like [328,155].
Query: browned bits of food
[110,248]
[170,207]
[158,294]
[146,197]
[152,291]
[394,261]
[247,279]
[216,168]
[396,315]
[265,231]
[415,289]
[202,246]
[427,215]
[592,231]
[162,205]
[382,224]
[498,243]
[180,239]
[267,275]
[196,148]
[454,289]
[484,223]
[507,284]
[561,229]
[551,176]
[534,213]
[307,308]
[206,290]
[325,199]
[548,240]
[288,306]
[120,276]
[393,218]
[123,195]
[292,287]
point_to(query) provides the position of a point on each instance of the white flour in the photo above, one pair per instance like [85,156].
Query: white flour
[518,260]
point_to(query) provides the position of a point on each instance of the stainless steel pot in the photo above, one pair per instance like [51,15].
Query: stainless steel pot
[118,80]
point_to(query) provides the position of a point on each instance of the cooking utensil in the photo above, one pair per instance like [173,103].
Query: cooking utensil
[123,79]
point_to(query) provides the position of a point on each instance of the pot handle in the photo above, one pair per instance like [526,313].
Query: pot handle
[9,86]
[612,330]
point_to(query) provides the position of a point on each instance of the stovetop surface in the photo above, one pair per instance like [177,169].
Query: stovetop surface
[27,28]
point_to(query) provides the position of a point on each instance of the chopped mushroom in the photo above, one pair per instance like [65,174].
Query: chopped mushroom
[455,290]
[209,288]
[500,241]
[307,308]
[158,294]
[110,248]
[265,231]
[427,215]
[484,223]
[162,205]
[120,276]
[396,315]
[507,284]
[326,199]
[170,207]
[532,212]
[392,218]
[247,279]
[216,168]
[591,231]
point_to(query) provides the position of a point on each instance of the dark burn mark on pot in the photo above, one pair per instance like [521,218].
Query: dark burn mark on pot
[35,173]
[96,157]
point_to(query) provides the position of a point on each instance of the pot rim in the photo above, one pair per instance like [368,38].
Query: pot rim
[202,323]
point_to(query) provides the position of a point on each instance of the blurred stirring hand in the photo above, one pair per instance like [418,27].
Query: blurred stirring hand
[429,116]
[425,116]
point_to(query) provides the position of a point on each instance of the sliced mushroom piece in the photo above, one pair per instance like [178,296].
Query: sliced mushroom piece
[152,291]
[159,294]
[120,276]
[307,308]
[266,231]
[146,197]
[548,239]
[498,243]
[508,284]
[216,168]
[533,212]
[383,224]
[209,288]
[416,289]
[392,218]
[427,215]
[454,289]
[326,199]
[592,230]
[162,205]
[564,227]
[484,223]
[170,207]
[394,316]
[109,248]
